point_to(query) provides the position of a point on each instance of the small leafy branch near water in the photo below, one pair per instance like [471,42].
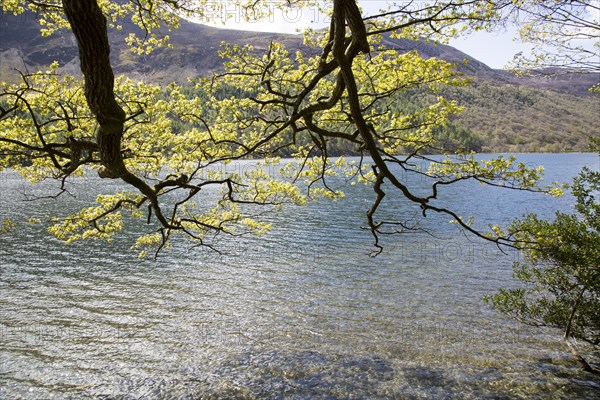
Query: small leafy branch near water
[561,271]
[7,226]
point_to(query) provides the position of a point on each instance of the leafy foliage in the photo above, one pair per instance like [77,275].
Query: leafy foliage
[163,142]
[561,271]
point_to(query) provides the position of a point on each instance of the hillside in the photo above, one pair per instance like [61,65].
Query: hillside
[513,118]
[502,112]
[195,47]
[194,51]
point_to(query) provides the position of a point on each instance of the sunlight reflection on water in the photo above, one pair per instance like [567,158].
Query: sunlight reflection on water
[301,313]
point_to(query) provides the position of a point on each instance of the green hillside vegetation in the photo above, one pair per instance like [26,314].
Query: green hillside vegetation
[507,118]
[497,118]
[510,118]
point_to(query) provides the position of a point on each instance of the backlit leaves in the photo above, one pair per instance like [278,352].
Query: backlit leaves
[182,142]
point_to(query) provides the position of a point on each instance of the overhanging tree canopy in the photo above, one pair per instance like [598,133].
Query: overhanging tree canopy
[564,34]
[53,126]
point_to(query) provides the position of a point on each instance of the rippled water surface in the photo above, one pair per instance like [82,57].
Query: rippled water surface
[301,313]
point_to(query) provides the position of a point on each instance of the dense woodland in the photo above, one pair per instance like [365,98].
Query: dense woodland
[497,118]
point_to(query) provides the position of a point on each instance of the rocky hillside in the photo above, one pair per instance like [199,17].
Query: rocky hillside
[194,51]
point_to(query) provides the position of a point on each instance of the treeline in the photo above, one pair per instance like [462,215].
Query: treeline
[496,118]
[510,118]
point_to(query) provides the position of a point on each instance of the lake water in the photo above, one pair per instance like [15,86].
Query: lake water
[301,313]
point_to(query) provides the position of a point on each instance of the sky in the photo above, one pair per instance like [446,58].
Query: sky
[493,49]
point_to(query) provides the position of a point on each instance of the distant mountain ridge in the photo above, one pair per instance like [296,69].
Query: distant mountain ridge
[195,53]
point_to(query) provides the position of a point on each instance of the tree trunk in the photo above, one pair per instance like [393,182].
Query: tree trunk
[582,361]
[90,29]
[89,26]
[584,364]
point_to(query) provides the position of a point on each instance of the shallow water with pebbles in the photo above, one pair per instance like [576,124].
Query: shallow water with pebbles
[301,313]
